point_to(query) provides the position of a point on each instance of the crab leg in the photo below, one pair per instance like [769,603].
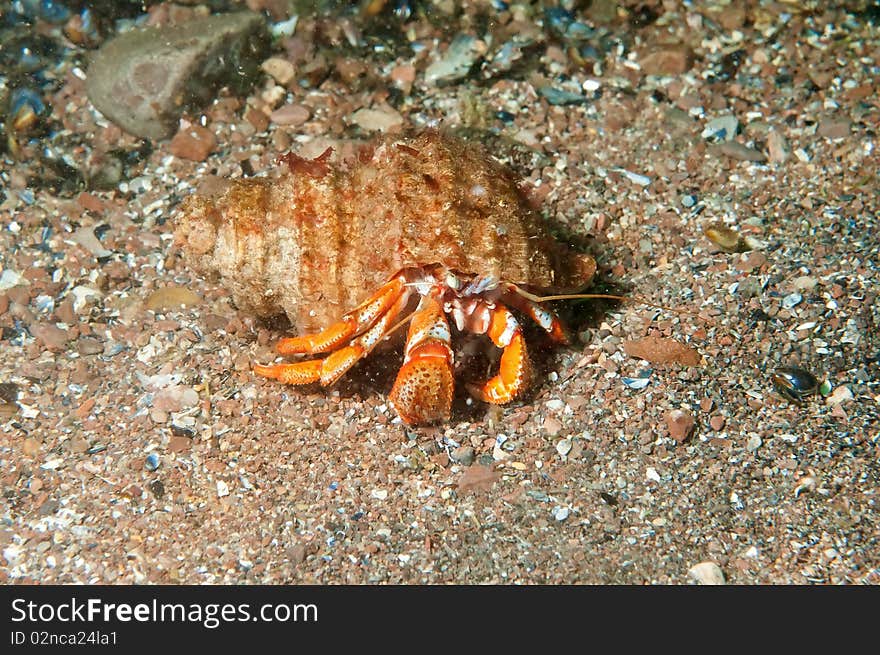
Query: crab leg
[331,368]
[353,323]
[422,392]
[540,315]
[515,370]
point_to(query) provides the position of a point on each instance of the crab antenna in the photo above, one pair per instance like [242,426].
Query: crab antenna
[601,296]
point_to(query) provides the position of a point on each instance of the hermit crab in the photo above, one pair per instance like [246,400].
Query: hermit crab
[428,228]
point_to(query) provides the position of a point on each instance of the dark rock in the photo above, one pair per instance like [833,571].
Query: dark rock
[143,80]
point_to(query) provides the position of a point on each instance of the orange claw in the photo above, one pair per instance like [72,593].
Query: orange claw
[331,368]
[423,390]
[353,323]
[299,373]
[515,371]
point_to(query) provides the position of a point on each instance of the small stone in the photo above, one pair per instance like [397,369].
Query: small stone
[753,443]
[792,300]
[717,422]
[722,128]
[680,423]
[834,128]
[464,455]
[661,350]
[158,416]
[804,283]
[736,150]
[83,297]
[170,298]
[280,70]
[563,447]
[777,147]
[552,426]
[726,238]
[85,237]
[193,142]
[65,312]
[379,494]
[175,398]
[89,346]
[50,336]
[151,463]
[179,444]
[840,396]
[381,120]
[290,115]
[30,447]
[403,77]
[561,513]
[222,489]
[674,59]
[457,61]
[707,573]
[79,445]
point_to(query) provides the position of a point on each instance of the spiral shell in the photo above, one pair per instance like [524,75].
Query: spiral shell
[323,235]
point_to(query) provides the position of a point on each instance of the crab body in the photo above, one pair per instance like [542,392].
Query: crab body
[430,221]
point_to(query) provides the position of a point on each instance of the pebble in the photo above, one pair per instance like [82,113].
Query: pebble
[560,97]
[688,201]
[722,128]
[792,300]
[777,147]
[377,120]
[194,143]
[717,422]
[463,455]
[456,62]
[552,426]
[170,298]
[636,383]
[89,346]
[79,445]
[137,79]
[280,70]
[151,463]
[680,423]
[179,444]
[707,573]
[804,283]
[753,443]
[30,447]
[403,77]
[736,150]
[563,447]
[675,59]
[560,513]
[84,296]
[834,128]
[51,336]
[635,178]
[175,398]
[841,395]
[85,237]
[222,489]
[290,115]
[10,278]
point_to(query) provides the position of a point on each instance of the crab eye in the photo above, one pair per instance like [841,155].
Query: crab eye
[453,282]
